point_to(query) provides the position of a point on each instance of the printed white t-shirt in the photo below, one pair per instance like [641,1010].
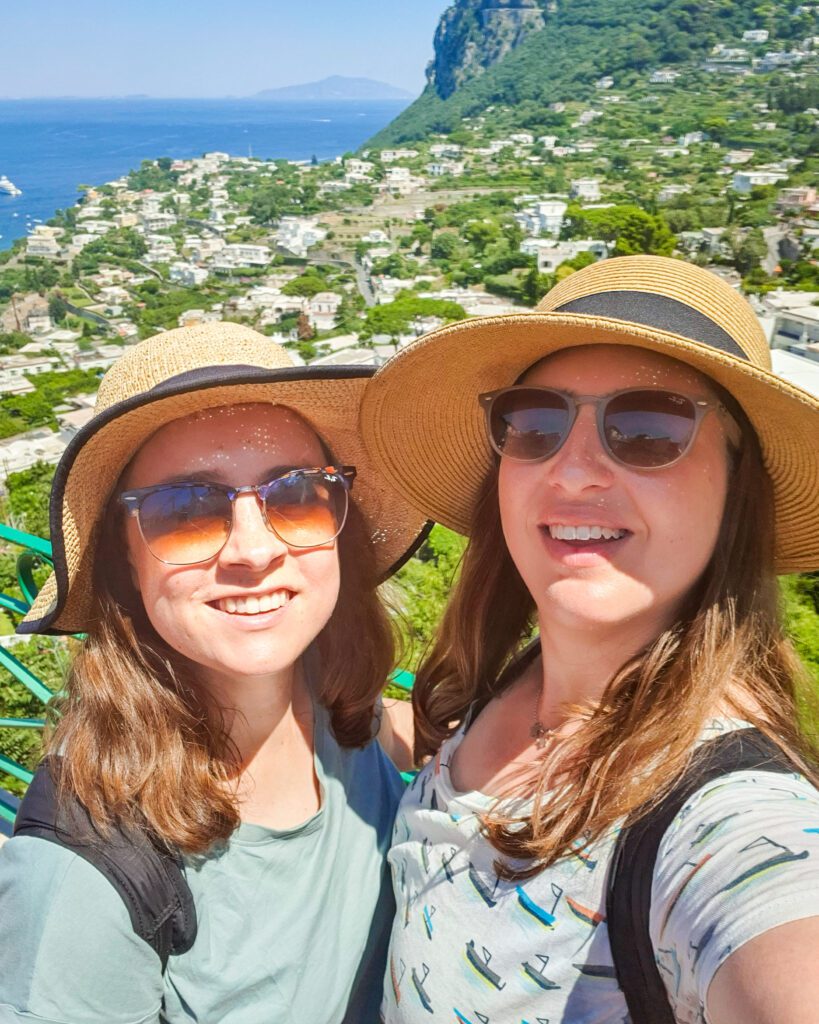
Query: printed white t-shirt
[741,857]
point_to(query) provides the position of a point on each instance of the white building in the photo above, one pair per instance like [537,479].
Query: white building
[587,189]
[298,234]
[399,181]
[664,77]
[444,149]
[17,454]
[744,181]
[389,156]
[43,241]
[755,35]
[549,258]
[322,310]
[244,254]
[187,274]
[455,168]
[671,192]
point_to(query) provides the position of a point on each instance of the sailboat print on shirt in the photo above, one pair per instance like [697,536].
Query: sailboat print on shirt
[537,974]
[546,917]
[784,856]
[418,982]
[481,964]
[482,889]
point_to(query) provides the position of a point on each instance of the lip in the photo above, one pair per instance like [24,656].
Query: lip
[583,555]
[257,621]
[251,593]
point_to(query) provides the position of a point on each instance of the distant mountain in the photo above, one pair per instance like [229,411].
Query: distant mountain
[526,54]
[336,88]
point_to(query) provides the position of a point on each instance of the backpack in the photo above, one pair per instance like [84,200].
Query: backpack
[150,881]
[628,900]
[147,875]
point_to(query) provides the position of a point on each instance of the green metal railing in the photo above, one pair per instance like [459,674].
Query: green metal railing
[35,552]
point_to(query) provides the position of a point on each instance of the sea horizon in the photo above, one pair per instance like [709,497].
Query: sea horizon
[48,147]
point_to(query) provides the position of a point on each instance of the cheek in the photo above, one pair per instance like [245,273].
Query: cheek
[518,505]
[322,576]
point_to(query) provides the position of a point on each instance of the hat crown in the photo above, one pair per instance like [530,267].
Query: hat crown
[182,350]
[659,279]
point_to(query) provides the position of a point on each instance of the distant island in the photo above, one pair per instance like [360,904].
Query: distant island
[336,87]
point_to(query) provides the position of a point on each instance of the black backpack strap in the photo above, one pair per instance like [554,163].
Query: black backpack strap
[148,878]
[631,873]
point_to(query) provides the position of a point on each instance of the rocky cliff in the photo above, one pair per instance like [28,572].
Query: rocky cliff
[472,35]
[526,54]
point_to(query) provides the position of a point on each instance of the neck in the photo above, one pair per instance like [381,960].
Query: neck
[261,712]
[578,662]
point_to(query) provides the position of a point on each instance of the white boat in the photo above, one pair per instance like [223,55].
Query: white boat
[9,186]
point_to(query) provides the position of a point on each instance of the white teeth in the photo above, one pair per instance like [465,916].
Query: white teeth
[253,605]
[560,532]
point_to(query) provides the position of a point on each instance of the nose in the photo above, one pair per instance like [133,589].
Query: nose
[251,542]
[582,463]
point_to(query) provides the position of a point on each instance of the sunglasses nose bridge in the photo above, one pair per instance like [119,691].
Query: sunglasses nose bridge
[252,538]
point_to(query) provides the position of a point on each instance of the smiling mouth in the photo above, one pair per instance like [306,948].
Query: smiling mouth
[254,604]
[585,534]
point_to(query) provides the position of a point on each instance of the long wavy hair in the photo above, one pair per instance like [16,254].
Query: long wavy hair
[140,743]
[728,646]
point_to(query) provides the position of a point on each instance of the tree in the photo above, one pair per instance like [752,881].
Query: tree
[444,246]
[28,496]
[57,308]
[423,586]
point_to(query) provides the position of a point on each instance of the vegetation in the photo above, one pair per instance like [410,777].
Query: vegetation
[581,41]
[19,413]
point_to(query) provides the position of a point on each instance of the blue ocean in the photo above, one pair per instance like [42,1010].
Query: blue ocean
[49,147]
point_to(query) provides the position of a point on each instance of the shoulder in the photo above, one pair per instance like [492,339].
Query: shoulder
[61,914]
[740,858]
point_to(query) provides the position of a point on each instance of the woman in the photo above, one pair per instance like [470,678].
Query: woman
[224,703]
[631,475]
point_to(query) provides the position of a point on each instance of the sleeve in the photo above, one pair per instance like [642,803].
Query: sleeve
[70,955]
[740,858]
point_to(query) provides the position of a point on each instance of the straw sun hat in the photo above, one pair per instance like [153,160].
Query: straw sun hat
[176,374]
[423,423]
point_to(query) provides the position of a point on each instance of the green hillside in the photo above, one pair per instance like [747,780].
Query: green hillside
[575,43]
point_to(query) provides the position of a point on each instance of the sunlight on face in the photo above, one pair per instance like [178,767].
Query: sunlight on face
[670,516]
[190,605]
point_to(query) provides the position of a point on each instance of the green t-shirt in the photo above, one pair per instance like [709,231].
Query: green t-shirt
[292,925]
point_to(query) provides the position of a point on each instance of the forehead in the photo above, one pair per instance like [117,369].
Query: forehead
[600,369]
[225,441]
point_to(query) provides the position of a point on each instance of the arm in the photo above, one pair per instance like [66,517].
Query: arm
[770,979]
[397,732]
[735,892]
[70,955]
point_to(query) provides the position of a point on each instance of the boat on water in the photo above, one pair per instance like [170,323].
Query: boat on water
[9,186]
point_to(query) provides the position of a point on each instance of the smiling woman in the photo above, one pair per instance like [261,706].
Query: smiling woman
[207,837]
[631,476]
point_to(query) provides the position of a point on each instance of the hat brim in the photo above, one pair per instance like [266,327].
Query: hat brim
[423,422]
[328,398]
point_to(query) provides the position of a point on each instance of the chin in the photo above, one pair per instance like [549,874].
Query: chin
[575,604]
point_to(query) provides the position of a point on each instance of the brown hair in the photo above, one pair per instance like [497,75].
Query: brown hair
[728,643]
[140,744]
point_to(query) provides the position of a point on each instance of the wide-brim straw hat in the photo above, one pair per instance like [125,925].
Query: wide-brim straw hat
[426,430]
[173,375]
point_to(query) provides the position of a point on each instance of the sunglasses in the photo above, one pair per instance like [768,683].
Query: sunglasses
[186,523]
[642,428]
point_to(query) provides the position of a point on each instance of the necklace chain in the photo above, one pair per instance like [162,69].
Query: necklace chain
[538,731]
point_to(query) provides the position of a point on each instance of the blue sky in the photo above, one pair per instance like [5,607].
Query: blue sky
[210,47]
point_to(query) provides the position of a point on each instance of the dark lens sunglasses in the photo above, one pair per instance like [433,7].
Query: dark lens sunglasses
[185,523]
[642,428]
